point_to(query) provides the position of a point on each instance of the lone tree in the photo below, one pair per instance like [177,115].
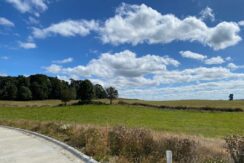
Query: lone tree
[87,91]
[112,93]
[231,97]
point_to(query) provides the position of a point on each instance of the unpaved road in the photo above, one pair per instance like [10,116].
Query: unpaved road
[21,147]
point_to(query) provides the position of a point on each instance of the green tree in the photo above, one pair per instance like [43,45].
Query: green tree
[77,85]
[231,97]
[112,93]
[24,93]
[86,91]
[9,92]
[100,93]
[40,86]
[68,94]
[8,89]
[57,86]
[23,81]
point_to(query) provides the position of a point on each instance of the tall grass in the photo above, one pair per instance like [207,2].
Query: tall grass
[121,144]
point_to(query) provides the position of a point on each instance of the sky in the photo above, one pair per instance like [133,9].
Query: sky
[153,50]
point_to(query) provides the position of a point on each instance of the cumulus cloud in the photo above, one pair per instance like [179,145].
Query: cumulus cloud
[54,68]
[27,45]
[67,28]
[6,22]
[207,13]
[3,74]
[214,60]
[137,24]
[124,64]
[204,58]
[30,6]
[66,60]
[126,70]
[233,66]
[193,55]
[241,23]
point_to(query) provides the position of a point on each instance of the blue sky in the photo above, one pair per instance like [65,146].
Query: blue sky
[156,50]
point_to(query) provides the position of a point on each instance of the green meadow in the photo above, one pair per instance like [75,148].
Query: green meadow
[207,124]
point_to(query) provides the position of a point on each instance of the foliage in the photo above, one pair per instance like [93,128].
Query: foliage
[67,94]
[41,87]
[86,92]
[231,97]
[121,144]
[112,93]
[24,93]
[99,91]
[235,146]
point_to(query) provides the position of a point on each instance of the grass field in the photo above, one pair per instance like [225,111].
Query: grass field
[209,124]
[189,103]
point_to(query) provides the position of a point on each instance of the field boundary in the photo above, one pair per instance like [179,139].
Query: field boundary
[72,150]
[210,109]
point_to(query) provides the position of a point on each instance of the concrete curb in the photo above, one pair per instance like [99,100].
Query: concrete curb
[72,150]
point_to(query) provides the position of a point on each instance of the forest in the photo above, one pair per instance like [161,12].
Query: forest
[42,87]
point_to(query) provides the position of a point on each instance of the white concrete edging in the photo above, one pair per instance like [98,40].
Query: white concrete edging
[70,149]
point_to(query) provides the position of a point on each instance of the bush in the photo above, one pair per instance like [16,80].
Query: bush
[77,138]
[235,146]
[184,150]
[134,144]
[95,144]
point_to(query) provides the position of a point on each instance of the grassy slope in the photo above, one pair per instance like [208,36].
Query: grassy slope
[190,122]
[189,103]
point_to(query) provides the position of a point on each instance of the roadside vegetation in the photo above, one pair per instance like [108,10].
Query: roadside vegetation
[121,144]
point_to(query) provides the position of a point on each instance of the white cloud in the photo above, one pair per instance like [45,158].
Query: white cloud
[207,13]
[228,59]
[53,68]
[126,70]
[27,45]
[6,22]
[241,23]
[66,60]
[124,64]
[67,28]
[137,24]
[30,6]
[232,66]
[32,20]
[193,55]
[214,60]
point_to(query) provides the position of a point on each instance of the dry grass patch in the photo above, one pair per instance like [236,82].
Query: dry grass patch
[120,144]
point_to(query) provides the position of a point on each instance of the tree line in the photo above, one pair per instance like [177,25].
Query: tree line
[42,87]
